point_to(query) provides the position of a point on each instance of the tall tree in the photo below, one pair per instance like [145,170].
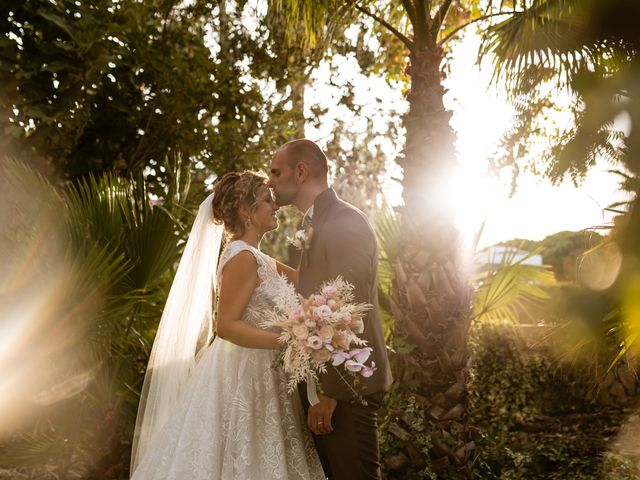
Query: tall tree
[129,86]
[430,295]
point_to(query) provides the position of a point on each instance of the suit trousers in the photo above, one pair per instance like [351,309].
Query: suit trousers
[351,451]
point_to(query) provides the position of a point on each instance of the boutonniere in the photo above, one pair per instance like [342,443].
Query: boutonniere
[302,239]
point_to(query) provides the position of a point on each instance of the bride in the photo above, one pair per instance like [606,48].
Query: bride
[220,410]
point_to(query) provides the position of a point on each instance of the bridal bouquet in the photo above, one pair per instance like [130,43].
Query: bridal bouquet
[321,330]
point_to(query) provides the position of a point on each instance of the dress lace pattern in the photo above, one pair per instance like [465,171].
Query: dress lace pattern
[235,419]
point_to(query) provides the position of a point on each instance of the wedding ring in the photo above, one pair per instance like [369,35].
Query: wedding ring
[320,422]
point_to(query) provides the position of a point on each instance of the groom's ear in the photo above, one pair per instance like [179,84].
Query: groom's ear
[301,172]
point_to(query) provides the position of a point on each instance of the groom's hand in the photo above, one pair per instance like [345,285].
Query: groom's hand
[319,416]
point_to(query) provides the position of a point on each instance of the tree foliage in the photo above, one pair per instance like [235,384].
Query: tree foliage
[562,251]
[606,90]
[83,291]
[125,85]
[547,50]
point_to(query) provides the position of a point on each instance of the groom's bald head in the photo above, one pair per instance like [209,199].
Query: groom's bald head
[303,150]
[298,173]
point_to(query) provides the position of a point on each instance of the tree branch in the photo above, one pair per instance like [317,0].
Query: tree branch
[475,20]
[411,11]
[438,20]
[421,29]
[384,23]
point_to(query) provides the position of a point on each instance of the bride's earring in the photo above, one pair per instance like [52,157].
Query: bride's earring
[247,222]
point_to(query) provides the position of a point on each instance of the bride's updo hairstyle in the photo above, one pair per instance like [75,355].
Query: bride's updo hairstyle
[230,192]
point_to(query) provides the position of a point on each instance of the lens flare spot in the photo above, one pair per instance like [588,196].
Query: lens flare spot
[600,268]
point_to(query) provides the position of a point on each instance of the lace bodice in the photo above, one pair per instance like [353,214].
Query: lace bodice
[271,282]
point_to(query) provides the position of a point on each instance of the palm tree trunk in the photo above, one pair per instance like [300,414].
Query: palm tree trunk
[430,297]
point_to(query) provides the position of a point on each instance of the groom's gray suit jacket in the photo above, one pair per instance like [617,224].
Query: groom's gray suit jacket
[343,243]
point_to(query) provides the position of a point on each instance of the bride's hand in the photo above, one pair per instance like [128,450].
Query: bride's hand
[319,415]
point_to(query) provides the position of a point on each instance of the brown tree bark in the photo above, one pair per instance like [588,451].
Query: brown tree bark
[431,297]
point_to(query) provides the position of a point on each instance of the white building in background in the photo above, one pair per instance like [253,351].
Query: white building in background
[494,256]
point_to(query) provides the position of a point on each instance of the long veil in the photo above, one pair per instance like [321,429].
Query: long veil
[185,326]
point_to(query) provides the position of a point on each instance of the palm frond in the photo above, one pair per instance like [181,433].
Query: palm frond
[387,229]
[319,19]
[94,210]
[629,325]
[549,34]
[504,290]
[117,213]
[150,237]
[32,448]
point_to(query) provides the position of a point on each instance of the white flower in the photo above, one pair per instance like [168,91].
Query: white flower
[314,342]
[326,333]
[302,239]
[300,331]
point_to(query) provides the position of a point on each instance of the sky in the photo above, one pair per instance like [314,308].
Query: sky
[481,115]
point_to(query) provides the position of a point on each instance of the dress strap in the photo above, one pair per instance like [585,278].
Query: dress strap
[237,246]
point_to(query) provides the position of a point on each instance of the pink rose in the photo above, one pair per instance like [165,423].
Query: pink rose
[296,313]
[318,300]
[322,312]
[329,291]
[345,318]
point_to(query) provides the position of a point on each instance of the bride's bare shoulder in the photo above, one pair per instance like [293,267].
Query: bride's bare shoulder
[242,263]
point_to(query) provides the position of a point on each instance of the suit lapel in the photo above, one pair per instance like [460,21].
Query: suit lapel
[321,208]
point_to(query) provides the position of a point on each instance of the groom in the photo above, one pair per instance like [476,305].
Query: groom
[340,241]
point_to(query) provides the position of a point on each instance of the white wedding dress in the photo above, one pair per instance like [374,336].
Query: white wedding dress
[235,418]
